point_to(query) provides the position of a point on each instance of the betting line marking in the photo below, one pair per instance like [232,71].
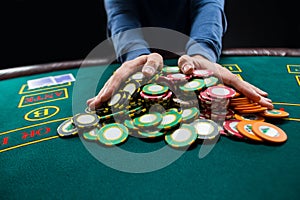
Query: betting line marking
[287,104]
[26,127]
[29,143]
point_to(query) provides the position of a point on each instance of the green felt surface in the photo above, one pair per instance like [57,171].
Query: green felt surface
[36,164]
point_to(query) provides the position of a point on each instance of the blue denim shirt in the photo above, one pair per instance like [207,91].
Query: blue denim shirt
[203,21]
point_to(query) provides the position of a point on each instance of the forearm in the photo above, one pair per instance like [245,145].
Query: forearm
[208,27]
[123,28]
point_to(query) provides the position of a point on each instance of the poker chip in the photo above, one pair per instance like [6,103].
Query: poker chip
[202,73]
[269,132]
[138,76]
[189,114]
[178,77]
[170,120]
[193,85]
[88,110]
[182,137]
[148,120]
[152,98]
[118,100]
[245,128]
[131,87]
[170,69]
[155,89]
[112,134]
[85,120]
[90,135]
[249,117]
[220,91]
[67,128]
[151,134]
[274,113]
[206,129]
[230,127]
[257,110]
[211,81]
[129,124]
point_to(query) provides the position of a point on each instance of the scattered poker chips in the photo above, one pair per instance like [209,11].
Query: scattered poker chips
[90,135]
[245,128]
[170,120]
[190,114]
[112,134]
[182,137]
[230,128]
[206,129]
[269,132]
[85,120]
[177,107]
[148,120]
[274,113]
[67,128]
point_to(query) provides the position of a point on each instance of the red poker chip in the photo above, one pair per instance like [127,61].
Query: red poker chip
[178,77]
[220,91]
[230,127]
[202,73]
[154,97]
[168,96]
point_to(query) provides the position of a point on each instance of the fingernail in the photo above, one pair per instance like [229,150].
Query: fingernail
[187,68]
[149,70]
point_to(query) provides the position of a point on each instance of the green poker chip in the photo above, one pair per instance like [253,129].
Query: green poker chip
[190,114]
[151,134]
[85,120]
[206,128]
[171,69]
[90,135]
[148,120]
[112,134]
[182,137]
[67,128]
[170,120]
[211,81]
[193,85]
[155,89]
[129,124]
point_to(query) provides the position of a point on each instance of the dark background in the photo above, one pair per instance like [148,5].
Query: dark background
[36,32]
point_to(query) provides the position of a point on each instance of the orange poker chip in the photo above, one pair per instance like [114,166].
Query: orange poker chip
[239,99]
[247,107]
[249,117]
[269,132]
[261,109]
[274,113]
[245,129]
[241,103]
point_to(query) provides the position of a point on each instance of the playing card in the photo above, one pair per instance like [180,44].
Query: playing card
[65,78]
[41,82]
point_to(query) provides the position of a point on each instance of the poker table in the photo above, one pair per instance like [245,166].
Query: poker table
[38,164]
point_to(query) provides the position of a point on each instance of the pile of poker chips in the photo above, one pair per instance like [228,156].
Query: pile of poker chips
[177,107]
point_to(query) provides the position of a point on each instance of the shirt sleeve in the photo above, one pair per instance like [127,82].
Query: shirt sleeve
[208,25]
[123,26]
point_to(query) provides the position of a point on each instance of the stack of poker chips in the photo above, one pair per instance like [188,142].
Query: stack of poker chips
[214,102]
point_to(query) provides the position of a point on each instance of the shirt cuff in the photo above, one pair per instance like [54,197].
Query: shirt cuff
[202,49]
[134,54]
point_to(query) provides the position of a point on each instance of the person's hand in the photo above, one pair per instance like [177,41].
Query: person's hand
[148,64]
[188,63]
